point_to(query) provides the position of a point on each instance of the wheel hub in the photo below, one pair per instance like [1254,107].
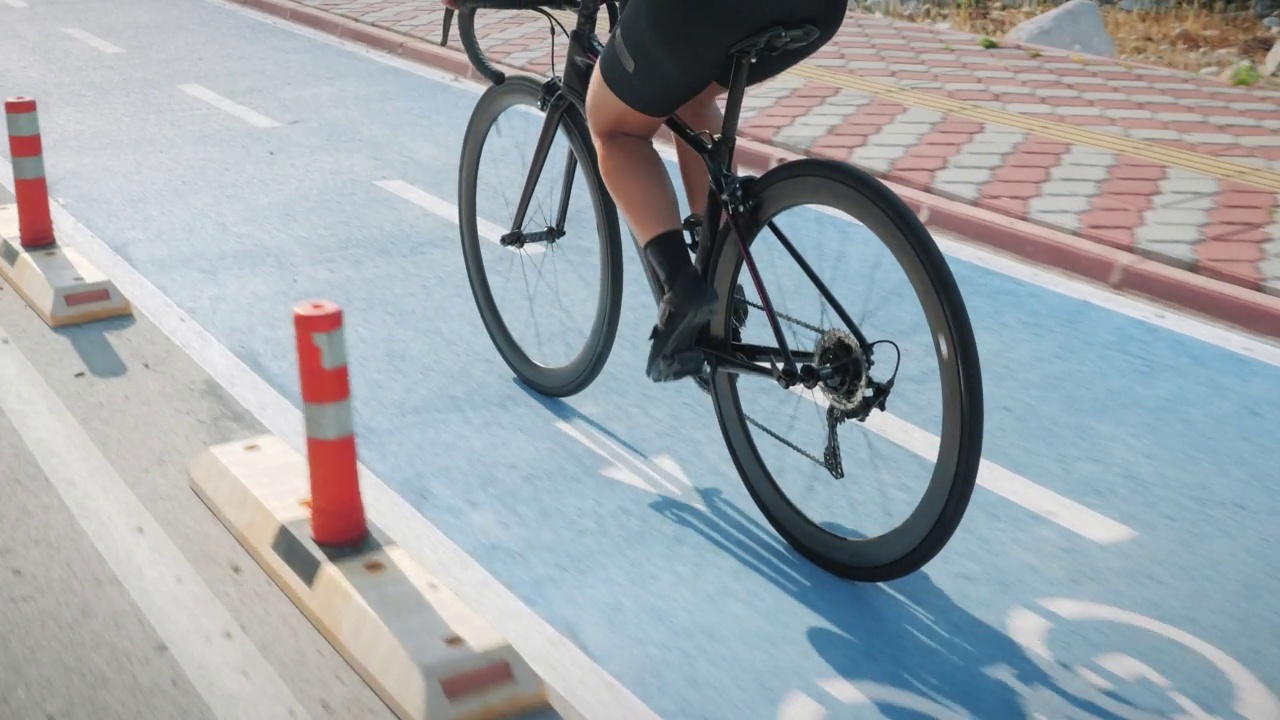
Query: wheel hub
[842,367]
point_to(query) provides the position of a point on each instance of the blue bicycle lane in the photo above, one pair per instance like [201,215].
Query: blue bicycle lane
[683,594]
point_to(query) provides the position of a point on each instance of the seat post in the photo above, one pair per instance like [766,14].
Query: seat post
[737,89]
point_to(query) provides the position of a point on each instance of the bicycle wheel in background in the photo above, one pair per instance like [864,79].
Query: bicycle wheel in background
[919,343]
[572,257]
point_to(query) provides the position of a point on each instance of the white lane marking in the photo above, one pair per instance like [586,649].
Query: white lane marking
[14,3]
[223,664]
[868,693]
[664,475]
[582,690]
[447,210]
[1151,312]
[1154,313]
[843,690]
[232,108]
[1001,481]
[798,706]
[1252,699]
[92,41]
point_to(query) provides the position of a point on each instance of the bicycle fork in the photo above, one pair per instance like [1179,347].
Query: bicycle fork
[517,237]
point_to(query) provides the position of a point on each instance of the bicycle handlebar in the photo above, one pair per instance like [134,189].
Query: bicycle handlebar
[466,10]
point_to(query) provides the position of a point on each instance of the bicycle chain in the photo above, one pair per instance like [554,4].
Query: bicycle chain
[832,462]
[787,317]
[832,465]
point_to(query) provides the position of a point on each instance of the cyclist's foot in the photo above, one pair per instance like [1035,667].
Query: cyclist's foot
[684,310]
[687,304]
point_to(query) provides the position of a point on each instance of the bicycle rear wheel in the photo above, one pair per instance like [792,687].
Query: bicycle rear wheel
[554,235]
[850,371]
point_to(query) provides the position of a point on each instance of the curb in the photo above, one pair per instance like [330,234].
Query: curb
[57,282]
[1251,310]
[425,653]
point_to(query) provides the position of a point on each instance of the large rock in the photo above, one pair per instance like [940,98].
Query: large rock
[1271,66]
[1075,26]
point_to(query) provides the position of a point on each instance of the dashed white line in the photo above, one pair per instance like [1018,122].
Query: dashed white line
[232,108]
[447,210]
[222,662]
[92,40]
[1007,484]
[13,3]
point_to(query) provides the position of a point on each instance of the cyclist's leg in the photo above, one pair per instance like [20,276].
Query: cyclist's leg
[629,164]
[655,61]
[679,65]
[665,56]
[700,113]
[653,65]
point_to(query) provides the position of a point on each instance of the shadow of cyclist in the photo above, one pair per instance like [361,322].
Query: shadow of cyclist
[906,634]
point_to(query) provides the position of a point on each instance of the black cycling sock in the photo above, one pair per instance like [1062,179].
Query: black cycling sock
[669,256]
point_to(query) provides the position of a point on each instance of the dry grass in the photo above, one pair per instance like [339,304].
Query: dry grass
[1185,38]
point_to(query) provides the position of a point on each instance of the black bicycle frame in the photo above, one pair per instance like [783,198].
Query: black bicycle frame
[725,195]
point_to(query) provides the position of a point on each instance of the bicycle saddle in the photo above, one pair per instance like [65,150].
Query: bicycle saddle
[775,40]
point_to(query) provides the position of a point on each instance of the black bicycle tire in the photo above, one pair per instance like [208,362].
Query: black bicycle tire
[580,373]
[889,557]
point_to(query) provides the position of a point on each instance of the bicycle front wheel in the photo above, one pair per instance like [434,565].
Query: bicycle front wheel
[537,224]
[860,370]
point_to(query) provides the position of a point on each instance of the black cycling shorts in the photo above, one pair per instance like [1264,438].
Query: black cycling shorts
[663,53]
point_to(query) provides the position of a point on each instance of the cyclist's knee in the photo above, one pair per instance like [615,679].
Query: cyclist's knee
[609,117]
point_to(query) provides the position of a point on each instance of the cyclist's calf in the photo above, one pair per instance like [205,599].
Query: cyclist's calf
[631,168]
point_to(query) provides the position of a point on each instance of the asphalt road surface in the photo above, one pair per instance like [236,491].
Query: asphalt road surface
[122,595]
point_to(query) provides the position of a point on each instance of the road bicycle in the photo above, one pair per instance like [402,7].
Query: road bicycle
[838,365]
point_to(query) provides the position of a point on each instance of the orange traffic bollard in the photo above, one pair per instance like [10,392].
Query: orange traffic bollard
[35,225]
[337,512]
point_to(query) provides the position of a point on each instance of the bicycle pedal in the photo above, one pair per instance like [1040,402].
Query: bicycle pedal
[684,364]
[678,366]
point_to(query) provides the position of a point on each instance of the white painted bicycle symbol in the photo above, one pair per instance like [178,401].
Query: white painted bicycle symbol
[1250,698]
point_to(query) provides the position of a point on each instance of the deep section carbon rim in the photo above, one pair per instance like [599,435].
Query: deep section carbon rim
[947,344]
[552,267]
